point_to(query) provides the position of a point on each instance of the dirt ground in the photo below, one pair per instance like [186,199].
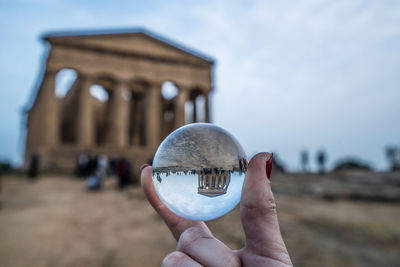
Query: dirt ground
[56,222]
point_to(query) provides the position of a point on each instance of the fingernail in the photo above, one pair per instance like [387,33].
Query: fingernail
[143,166]
[268,167]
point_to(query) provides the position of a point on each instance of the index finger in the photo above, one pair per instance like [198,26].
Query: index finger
[176,224]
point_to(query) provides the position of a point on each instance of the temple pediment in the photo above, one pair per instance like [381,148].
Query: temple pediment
[138,43]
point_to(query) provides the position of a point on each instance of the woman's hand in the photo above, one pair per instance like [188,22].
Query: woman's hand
[198,247]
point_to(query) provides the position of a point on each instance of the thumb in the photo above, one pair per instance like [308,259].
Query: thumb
[258,209]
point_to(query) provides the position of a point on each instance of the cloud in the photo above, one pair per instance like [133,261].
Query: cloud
[288,75]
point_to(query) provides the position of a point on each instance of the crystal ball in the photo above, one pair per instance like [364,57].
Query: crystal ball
[198,171]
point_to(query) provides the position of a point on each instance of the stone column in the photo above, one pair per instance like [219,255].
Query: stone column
[217,181]
[194,110]
[44,122]
[138,119]
[199,181]
[207,107]
[180,107]
[134,119]
[47,113]
[227,181]
[117,119]
[141,116]
[153,120]
[85,125]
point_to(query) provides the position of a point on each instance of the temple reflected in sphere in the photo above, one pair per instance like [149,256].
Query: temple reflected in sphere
[198,171]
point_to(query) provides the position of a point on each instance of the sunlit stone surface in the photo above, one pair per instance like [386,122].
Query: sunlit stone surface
[198,171]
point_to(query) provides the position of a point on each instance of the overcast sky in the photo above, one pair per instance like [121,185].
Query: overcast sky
[289,74]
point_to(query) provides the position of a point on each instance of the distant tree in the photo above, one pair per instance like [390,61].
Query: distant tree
[304,160]
[352,164]
[321,160]
[393,156]
[5,167]
[278,164]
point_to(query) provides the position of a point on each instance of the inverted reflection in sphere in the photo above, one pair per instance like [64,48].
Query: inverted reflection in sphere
[198,171]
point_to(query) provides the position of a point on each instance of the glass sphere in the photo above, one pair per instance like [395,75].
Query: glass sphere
[198,171]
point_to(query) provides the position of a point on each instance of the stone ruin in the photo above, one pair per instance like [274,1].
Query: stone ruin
[131,67]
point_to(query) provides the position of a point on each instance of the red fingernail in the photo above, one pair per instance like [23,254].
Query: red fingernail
[143,166]
[268,167]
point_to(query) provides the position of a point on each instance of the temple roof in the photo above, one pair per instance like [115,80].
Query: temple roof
[132,41]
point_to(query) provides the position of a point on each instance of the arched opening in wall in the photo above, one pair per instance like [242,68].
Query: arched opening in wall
[169,92]
[100,104]
[201,108]
[65,79]
[138,96]
[189,109]
[195,107]
[66,85]
[99,93]
[127,95]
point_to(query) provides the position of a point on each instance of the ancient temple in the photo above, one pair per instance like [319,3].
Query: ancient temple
[132,68]
[213,182]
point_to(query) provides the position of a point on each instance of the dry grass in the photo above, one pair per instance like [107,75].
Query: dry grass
[55,222]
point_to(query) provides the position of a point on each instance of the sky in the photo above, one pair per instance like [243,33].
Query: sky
[289,75]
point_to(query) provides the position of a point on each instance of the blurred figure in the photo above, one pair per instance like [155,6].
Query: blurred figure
[304,160]
[93,182]
[393,156]
[1,187]
[102,166]
[82,165]
[113,163]
[33,169]
[5,167]
[97,168]
[321,159]
[123,172]
[92,164]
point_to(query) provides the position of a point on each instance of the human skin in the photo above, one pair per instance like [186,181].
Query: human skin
[198,247]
